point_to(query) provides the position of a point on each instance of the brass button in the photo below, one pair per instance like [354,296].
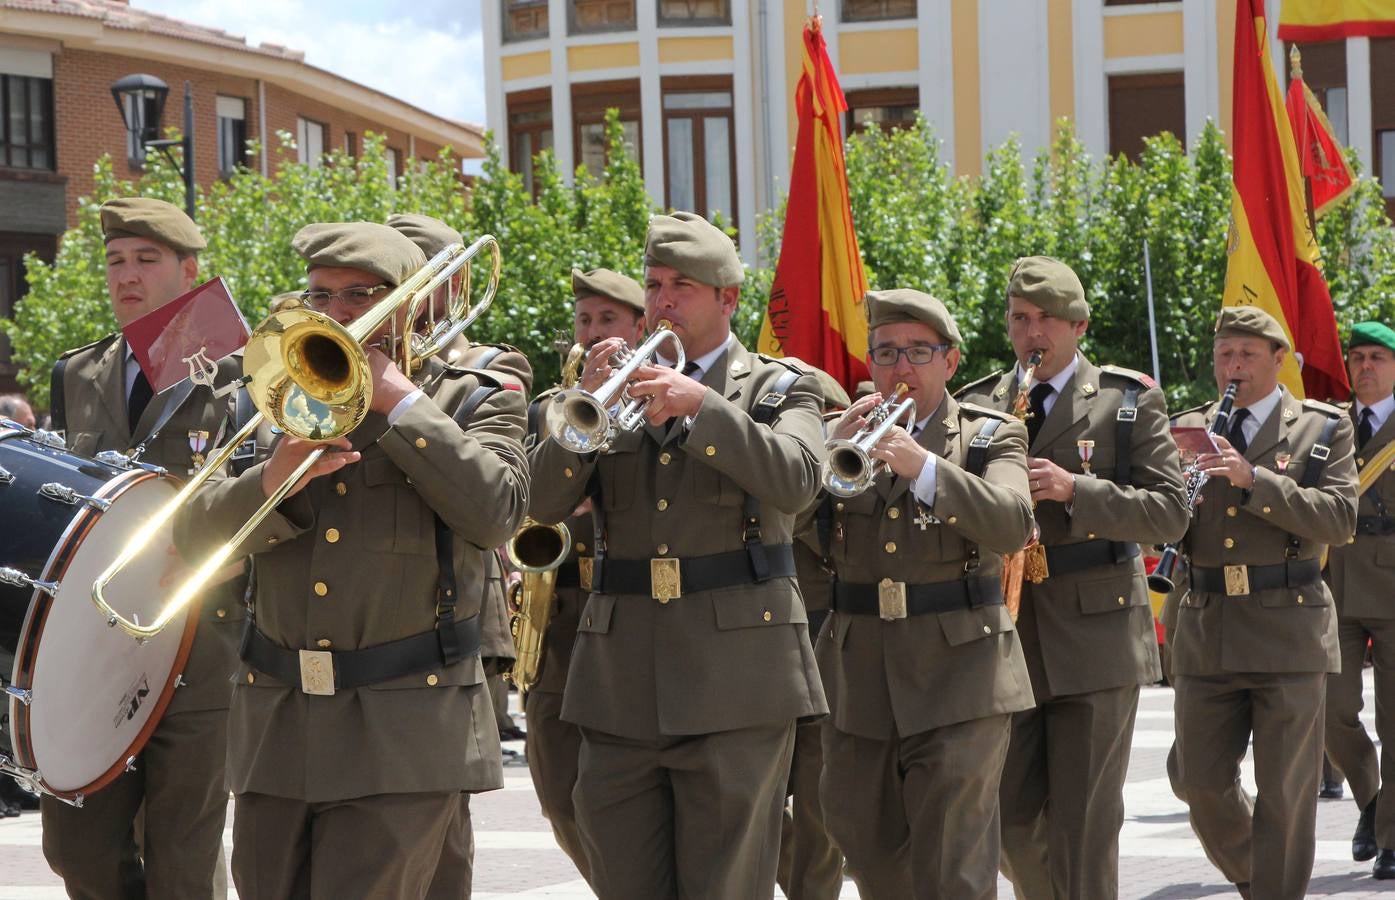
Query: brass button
[662,505]
[1300,599]
[663,601]
[1352,539]
[273,539]
[893,513]
[410,481]
[665,458]
[324,643]
[341,488]
[1121,601]
[222,613]
[568,472]
[838,506]
[1090,535]
[1360,461]
[1232,511]
[421,443]
[662,548]
[432,680]
[251,679]
[890,546]
[332,535]
[1268,509]
[1229,543]
[766,615]
[952,519]
[710,450]
[321,589]
[580,547]
[588,621]
[987,630]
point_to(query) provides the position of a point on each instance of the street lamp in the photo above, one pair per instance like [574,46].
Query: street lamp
[141,102]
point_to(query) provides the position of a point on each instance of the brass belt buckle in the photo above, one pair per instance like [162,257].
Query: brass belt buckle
[1034,567]
[665,579]
[585,565]
[1237,581]
[317,672]
[891,600]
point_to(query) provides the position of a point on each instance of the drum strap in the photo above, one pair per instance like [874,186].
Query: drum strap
[58,414]
[176,398]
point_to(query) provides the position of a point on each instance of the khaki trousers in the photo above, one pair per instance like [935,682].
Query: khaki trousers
[1348,744]
[684,818]
[917,816]
[1063,795]
[1268,840]
[554,748]
[179,783]
[455,870]
[811,865]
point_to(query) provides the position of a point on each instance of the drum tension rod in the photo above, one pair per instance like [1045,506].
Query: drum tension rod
[16,578]
[64,494]
[23,696]
[6,476]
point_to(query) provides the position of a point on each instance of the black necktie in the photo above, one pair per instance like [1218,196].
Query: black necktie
[691,370]
[1037,402]
[1366,428]
[139,399]
[1236,436]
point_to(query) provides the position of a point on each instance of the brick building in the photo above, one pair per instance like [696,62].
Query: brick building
[58,60]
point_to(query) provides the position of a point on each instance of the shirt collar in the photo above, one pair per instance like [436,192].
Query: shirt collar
[1261,410]
[1058,382]
[704,362]
[1380,412]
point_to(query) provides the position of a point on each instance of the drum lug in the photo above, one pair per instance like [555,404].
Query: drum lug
[23,696]
[49,438]
[179,681]
[130,764]
[6,476]
[114,458]
[64,494]
[16,578]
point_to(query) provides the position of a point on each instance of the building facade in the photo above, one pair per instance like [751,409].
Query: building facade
[705,87]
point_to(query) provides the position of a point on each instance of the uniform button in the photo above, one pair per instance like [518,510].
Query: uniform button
[663,601]
[251,679]
[324,643]
[838,506]
[341,488]
[952,519]
[1360,461]
[893,513]
[662,548]
[1229,543]
[1268,509]
[222,613]
[890,546]
[332,535]
[1300,599]
[580,547]
[710,450]
[273,539]
[1121,600]
[321,589]
[662,505]
[987,630]
[1090,535]
[588,621]
[568,472]
[766,615]
[665,458]
[421,443]
[1232,511]
[431,680]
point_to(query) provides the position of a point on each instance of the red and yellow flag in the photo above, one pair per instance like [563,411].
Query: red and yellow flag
[1305,21]
[815,310]
[1274,260]
[1319,152]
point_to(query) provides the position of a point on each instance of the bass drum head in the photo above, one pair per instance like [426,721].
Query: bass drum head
[97,692]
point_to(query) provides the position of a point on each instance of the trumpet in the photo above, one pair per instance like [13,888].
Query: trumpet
[850,469]
[311,377]
[583,422]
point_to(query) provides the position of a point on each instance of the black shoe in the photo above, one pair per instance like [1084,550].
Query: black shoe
[9,810]
[514,733]
[1332,790]
[1363,842]
[1385,865]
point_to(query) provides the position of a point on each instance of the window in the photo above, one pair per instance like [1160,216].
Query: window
[351,143]
[699,153]
[140,110]
[394,165]
[1383,116]
[524,20]
[1325,73]
[1385,168]
[26,122]
[591,16]
[876,10]
[884,108]
[1144,105]
[232,133]
[530,131]
[694,12]
[310,142]
[589,104]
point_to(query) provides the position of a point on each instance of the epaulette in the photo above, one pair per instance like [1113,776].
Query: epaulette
[980,411]
[794,364]
[544,395]
[985,380]
[1195,409]
[1131,374]
[98,342]
[491,378]
[1325,408]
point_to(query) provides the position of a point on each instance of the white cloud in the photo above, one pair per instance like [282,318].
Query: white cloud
[431,55]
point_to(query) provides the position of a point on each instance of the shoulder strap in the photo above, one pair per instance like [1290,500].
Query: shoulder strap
[763,414]
[58,412]
[977,458]
[1123,436]
[243,411]
[446,634]
[1312,472]
[473,401]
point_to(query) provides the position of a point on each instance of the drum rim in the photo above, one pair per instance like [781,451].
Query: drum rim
[32,635]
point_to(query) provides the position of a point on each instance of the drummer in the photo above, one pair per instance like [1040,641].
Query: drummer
[104,402]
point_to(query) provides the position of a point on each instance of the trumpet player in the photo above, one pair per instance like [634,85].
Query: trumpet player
[919,657]
[606,305]
[692,661]
[1104,478]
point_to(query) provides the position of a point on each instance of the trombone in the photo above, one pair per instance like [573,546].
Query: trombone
[311,377]
[850,469]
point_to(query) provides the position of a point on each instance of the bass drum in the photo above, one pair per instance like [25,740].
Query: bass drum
[83,696]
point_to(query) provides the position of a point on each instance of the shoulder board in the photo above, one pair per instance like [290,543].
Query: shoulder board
[542,396]
[979,412]
[1324,408]
[97,343]
[1131,374]
[1200,410]
[1344,406]
[982,382]
[491,378]
[794,365]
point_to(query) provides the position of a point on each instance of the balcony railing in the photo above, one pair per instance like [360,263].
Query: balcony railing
[876,10]
[525,20]
[592,16]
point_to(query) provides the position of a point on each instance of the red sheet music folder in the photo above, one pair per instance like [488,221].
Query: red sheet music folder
[190,333]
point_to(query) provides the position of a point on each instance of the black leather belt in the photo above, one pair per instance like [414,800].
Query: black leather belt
[1238,581]
[1066,558]
[1377,525]
[325,671]
[896,599]
[691,574]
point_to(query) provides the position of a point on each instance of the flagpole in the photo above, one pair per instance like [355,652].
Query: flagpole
[1152,320]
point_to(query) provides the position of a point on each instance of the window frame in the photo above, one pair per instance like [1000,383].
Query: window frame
[508,36]
[1176,79]
[574,29]
[236,153]
[880,98]
[523,103]
[591,100]
[302,134]
[691,21]
[701,85]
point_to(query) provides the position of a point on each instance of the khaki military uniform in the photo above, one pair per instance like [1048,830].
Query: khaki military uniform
[1252,658]
[1087,629]
[922,705]
[179,777]
[1362,576]
[348,563]
[687,706]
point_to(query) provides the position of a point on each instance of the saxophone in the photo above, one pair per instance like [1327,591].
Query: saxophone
[537,550]
[1018,565]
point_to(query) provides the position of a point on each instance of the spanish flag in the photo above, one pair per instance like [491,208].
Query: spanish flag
[1307,21]
[1320,155]
[1274,260]
[815,310]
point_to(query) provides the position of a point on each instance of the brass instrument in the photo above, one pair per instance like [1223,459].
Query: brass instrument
[311,376]
[583,422]
[849,468]
[1015,563]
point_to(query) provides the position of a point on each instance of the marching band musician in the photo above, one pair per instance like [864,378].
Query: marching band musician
[911,767]
[103,401]
[359,712]
[692,662]
[1362,576]
[607,305]
[1256,635]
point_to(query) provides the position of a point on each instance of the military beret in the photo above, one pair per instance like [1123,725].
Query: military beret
[1377,333]
[607,283]
[863,388]
[431,235]
[368,246]
[1250,321]
[154,219]
[1051,285]
[694,246]
[906,305]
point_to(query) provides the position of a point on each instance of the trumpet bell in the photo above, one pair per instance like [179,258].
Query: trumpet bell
[308,374]
[849,470]
[578,422]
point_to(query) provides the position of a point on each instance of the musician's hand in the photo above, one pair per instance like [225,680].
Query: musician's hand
[598,368]
[583,509]
[389,384]
[673,393]
[854,417]
[291,452]
[1229,464]
[901,453]
[1049,481]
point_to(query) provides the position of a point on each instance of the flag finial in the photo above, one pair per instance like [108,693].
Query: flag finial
[1295,63]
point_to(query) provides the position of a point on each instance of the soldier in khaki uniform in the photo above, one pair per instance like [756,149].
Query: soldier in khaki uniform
[1257,633]
[1104,478]
[371,572]
[1362,576]
[919,658]
[104,402]
[692,661]
[607,305]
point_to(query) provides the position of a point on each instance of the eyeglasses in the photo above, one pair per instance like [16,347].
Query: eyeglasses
[356,297]
[916,354]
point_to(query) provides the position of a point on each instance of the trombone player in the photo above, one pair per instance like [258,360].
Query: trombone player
[359,712]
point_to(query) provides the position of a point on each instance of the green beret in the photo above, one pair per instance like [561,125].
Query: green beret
[368,246]
[906,305]
[154,219]
[607,283]
[1377,333]
[431,235]
[1051,285]
[694,246]
[1250,321]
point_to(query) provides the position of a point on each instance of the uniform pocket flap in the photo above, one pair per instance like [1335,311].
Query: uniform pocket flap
[466,672]
[595,618]
[964,625]
[1113,593]
[1297,598]
[740,609]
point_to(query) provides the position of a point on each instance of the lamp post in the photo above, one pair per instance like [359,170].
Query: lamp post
[141,101]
